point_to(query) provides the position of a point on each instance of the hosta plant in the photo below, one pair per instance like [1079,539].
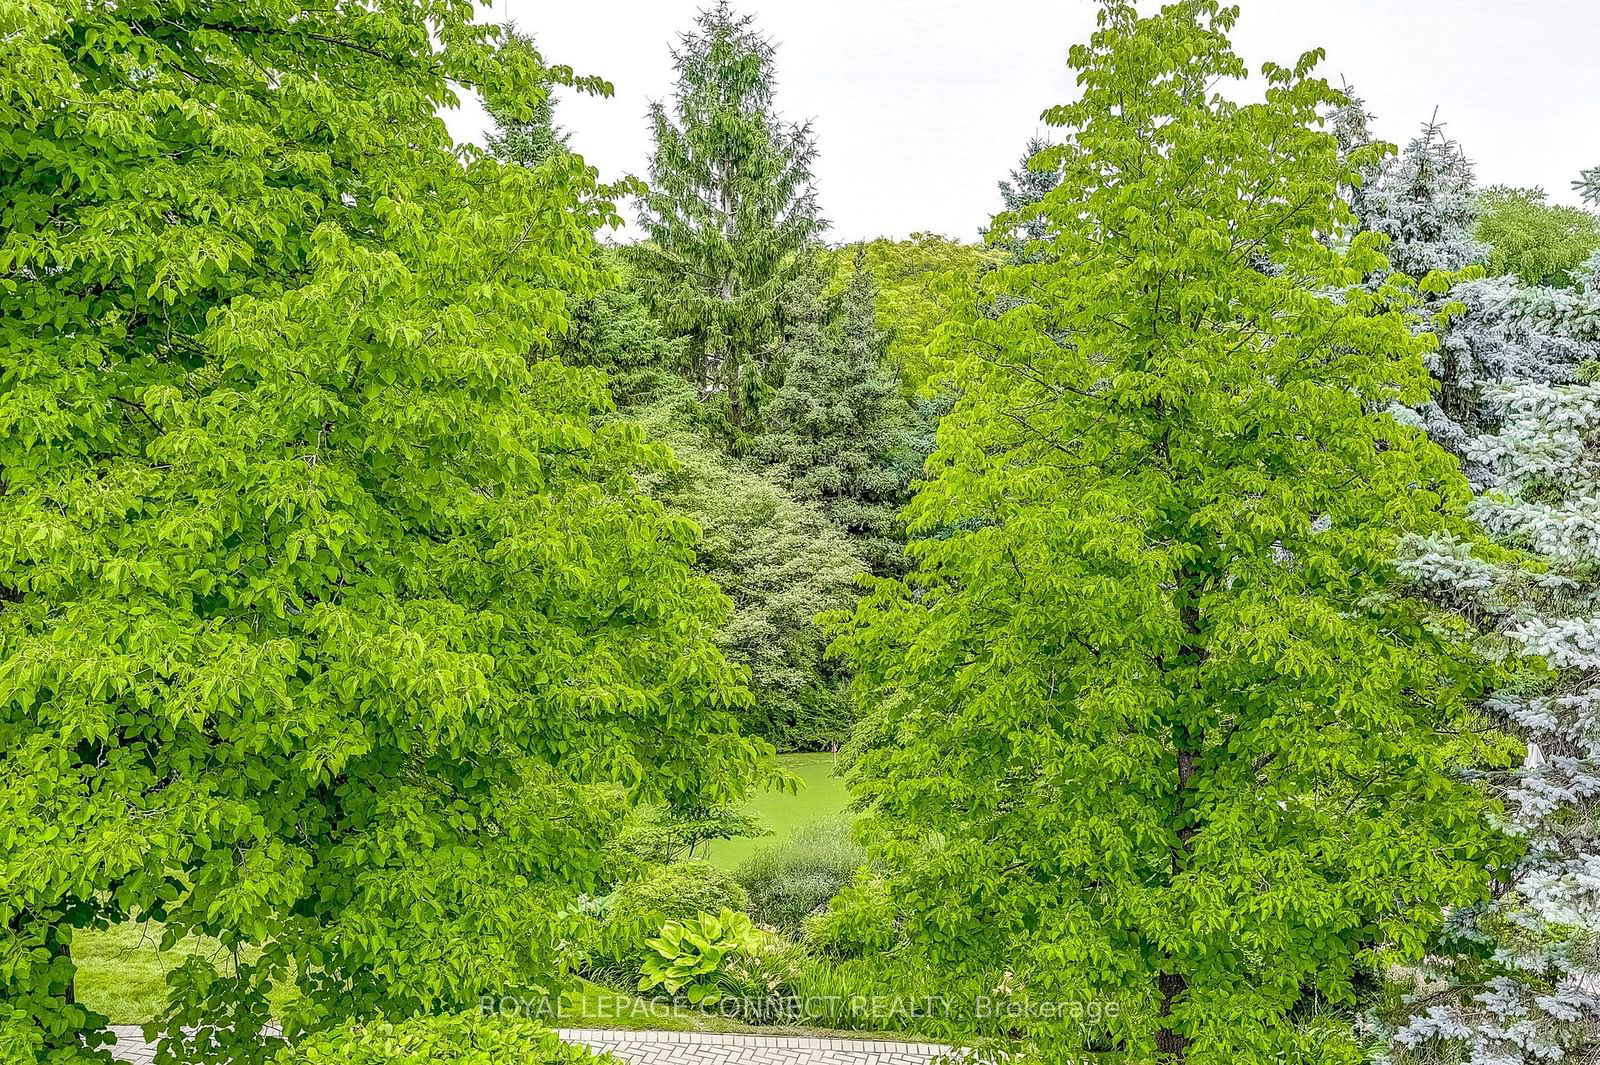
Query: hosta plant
[690,955]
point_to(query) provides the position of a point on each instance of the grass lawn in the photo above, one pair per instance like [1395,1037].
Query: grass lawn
[121,973]
[822,796]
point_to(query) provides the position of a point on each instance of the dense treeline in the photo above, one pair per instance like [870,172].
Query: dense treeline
[400,582]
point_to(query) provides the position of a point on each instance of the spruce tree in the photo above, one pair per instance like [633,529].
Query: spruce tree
[1153,738]
[839,429]
[529,135]
[1521,974]
[729,212]
[1021,225]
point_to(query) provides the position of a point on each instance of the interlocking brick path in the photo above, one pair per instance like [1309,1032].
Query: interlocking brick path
[681,1048]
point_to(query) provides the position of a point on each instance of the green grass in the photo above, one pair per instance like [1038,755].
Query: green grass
[822,796]
[121,973]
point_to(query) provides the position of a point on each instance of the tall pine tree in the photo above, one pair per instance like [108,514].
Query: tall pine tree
[729,211]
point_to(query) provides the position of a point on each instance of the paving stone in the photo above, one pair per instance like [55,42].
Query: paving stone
[680,1048]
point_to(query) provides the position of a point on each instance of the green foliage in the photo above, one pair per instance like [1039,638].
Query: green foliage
[330,609]
[660,835]
[1151,727]
[690,955]
[781,561]
[921,282]
[729,211]
[789,881]
[678,891]
[527,138]
[450,1039]
[1542,243]
[635,911]
[615,332]
[1021,228]
[860,921]
[840,430]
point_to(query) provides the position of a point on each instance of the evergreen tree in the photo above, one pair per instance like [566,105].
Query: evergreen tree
[1523,973]
[729,213]
[1425,203]
[840,429]
[527,137]
[1021,225]
[780,560]
[326,605]
[1351,125]
[1588,185]
[1153,739]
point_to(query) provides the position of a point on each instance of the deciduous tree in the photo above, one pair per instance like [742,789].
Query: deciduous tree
[325,601]
[1153,738]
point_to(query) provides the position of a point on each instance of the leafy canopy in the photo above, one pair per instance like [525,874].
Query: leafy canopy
[1542,243]
[1151,734]
[327,605]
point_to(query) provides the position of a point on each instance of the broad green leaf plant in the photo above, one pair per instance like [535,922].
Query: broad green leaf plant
[1153,737]
[690,955]
[327,605]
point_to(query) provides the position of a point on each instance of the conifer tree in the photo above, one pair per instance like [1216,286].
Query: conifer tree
[1021,196]
[1151,727]
[1588,185]
[729,212]
[1425,203]
[840,429]
[1521,975]
[532,136]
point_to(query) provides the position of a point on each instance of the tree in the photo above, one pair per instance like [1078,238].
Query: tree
[526,138]
[1021,226]
[1153,738]
[1425,203]
[920,282]
[1540,242]
[325,602]
[1588,185]
[730,208]
[1516,979]
[780,560]
[840,430]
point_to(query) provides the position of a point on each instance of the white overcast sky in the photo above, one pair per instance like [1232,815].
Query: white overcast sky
[920,106]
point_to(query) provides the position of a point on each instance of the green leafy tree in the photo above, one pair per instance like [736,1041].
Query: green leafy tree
[730,208]
[1542,243]
[840,428]
[922,282]
[327,604]
[780,560]
[1153,740]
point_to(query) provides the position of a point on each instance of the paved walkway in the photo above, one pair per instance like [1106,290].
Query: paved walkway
[681,1048]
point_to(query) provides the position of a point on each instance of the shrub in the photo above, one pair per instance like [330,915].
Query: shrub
[789,881]
[450,1039]
[636,911]
[859,921]
[689,956]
